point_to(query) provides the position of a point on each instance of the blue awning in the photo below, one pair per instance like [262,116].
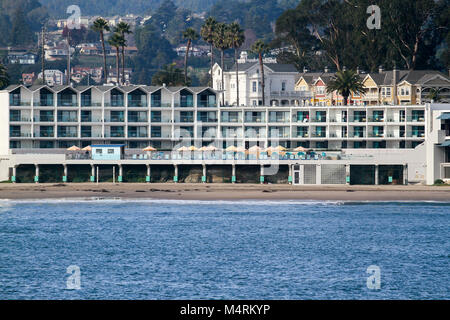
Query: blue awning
[444,116]
[445,144]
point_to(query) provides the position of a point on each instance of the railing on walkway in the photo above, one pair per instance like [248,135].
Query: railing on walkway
[217,156]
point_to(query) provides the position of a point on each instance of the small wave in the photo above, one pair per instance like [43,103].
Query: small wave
[245,202]
[167,201]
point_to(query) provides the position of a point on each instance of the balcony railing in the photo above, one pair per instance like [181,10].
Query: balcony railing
[16,134]
[137,119]
[376,119]
[19,103]
[115,135]
[19,119]
[64,119]
[136,104]
[137,135]
[67,135]
[46,134]
[256,120]
[415,119]
[419,134]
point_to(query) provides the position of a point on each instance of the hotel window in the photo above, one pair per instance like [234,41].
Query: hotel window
[254,86]
[110,151]
[99,151]
[321,90]
[283,86]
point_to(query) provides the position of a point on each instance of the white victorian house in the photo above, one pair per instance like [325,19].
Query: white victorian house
[279,90]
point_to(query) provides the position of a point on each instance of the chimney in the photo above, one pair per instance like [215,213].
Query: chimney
[306,70]
[357,70]
[344,68]
[395,76]
[380,69]
[326,70]
[164,85]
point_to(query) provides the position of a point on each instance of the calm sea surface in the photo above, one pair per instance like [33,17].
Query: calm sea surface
[224,250]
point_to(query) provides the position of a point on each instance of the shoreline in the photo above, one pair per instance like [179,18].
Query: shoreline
[211,192]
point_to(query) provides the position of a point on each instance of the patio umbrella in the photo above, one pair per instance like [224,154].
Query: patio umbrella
[300,149]
[88,148]
[73,148]
[255,149]
[280,148]
[192,148]
[183,148]
[203,149]
[211,148]
[149,148]
[231,149]
[241,149]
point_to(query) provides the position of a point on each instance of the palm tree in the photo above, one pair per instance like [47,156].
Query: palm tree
[259,48]
[117,41]
[220,41]
[169,75]
[345,82]
[207,33]
[434,95]
[122,29]
[236,38]
[4,78]
[101,25]
[191,35]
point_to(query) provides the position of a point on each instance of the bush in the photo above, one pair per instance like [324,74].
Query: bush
[439,182]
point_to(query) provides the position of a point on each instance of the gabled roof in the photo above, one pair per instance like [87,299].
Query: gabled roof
[13,87]
[275,67]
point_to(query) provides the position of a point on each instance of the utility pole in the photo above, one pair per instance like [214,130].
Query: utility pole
[43,54]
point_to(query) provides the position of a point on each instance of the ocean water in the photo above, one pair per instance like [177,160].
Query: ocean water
[224,250]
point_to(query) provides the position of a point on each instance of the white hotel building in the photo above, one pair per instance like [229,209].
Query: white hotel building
[39,123]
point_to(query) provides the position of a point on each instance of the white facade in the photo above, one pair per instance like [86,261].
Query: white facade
[280,80]
[42,119]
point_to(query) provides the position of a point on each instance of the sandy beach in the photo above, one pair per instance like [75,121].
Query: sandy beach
[184,191]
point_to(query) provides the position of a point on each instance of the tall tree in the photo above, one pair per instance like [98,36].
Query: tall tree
[21,33]
[221,42]
[260,48]
[4,78]
[345,82]
[123,29]
[191,35]
[236,38]
[101,26]
[207,33]
[169,75]
[117,41]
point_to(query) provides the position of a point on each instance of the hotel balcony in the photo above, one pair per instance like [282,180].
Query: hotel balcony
[43,119]
[19,134]
[376,119]
[137,104]
[357,135]
[302,135]
[358,119]
[319,135]
[67,135]
[118,104]
[19,103]
[420,134]
[415,119]
[64,119]
[137,135]
[19,119]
